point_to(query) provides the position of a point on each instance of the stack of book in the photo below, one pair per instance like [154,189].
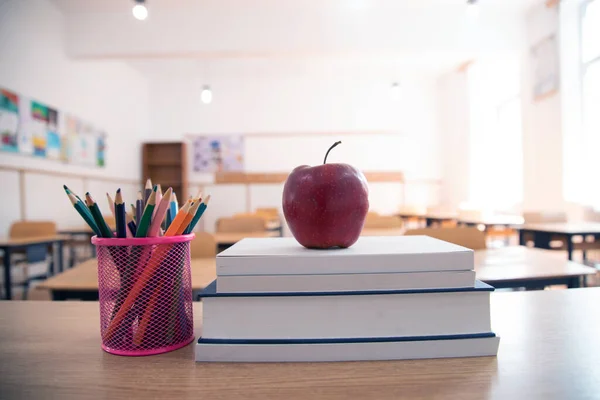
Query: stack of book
[384,298]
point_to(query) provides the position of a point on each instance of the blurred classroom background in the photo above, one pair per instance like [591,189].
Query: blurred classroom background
[473,121]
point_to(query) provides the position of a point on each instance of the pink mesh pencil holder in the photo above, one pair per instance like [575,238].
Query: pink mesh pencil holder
[145,293]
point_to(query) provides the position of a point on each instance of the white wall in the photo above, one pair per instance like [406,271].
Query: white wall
[453,107]
[542,124]
[283,99]
[109,94]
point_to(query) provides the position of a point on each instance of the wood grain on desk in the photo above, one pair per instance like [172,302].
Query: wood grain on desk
[84,276]
[24,241]
[522,263]
[549,349]
[570,228]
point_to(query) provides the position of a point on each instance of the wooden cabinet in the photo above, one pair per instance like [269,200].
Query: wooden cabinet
[166,164]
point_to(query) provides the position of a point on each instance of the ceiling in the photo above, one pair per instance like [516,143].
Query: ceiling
[430,35]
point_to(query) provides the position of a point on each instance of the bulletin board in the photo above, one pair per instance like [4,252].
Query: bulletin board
[32,128]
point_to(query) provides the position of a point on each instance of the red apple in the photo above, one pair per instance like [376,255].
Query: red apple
[326,206]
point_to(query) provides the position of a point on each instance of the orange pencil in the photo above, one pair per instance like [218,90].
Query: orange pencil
[179,218]
[139,334]
[188,218]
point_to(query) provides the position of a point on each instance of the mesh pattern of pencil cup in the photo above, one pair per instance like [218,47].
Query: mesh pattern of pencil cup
[145,293]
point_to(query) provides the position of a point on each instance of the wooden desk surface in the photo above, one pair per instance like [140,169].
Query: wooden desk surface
[549,349]
[570,228]
[224,238]
[25,241]
[521,263]
[74,230]
[383,232]
[84,276]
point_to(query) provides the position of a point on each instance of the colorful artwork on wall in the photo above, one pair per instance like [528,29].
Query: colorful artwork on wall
[218,153]
[33,128]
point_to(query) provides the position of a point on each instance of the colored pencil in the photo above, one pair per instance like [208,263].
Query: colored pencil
[139,208]
[131,225]
[133,216]
[120,218]
[159,196]
[159,213]
[148,191]
[111,205]
[188,218]
[83,211]
[144,224]
[178,219]
[198,215]
[87,211]
[173,208]
[145,320]
[97,214]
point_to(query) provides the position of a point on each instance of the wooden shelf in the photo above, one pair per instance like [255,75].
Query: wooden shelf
[166,164]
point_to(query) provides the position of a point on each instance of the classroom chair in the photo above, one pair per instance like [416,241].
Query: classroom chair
[469,237]
[32,254]
[241,224]
[203,245]
[268,211]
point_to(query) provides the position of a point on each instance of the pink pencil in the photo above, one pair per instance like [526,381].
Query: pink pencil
[161,210]
[159,195]
[111,204]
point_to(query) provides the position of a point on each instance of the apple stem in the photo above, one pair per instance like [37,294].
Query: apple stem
[332,146]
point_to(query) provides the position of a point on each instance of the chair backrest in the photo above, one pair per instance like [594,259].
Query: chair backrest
[382,222]
[268,211]
[203,245]
[23,229]
[544,217]
[412,209]
[241,224]
[469,237]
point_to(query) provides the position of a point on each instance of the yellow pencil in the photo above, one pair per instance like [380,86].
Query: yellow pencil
[174,227]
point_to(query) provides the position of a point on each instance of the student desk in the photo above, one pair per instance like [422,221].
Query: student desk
[81,281]
[493,220]
[519,266]
[543,232]
[430,217]
[10,245]
[549,349]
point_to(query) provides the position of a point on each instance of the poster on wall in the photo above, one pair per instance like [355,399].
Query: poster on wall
[30,127]
[9,121]
[545,67]
[218,153]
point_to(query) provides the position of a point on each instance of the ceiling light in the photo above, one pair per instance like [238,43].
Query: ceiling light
[472,8]
[139,10]
[396,89]
[206,95]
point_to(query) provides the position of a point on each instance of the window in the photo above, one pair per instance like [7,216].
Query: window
[590,58]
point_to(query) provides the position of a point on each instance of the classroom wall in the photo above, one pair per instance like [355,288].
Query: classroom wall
[285,108]
[542,124]
[109,94]
[453,108]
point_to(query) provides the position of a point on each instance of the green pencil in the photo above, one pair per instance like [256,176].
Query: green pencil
[144,224]
[82,210]
[97,214]
[87,211]
[197,216]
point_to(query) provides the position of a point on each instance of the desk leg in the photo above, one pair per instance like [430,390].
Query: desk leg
[59,245]
[521,237]
[570,247]
[428,222]
[574,283]
[7,281]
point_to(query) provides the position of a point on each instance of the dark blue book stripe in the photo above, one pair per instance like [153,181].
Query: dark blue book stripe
[211,291]
[348,340]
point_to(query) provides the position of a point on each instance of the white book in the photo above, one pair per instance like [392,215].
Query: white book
[338,315]
[344,282]
[370,254]
[222,351]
